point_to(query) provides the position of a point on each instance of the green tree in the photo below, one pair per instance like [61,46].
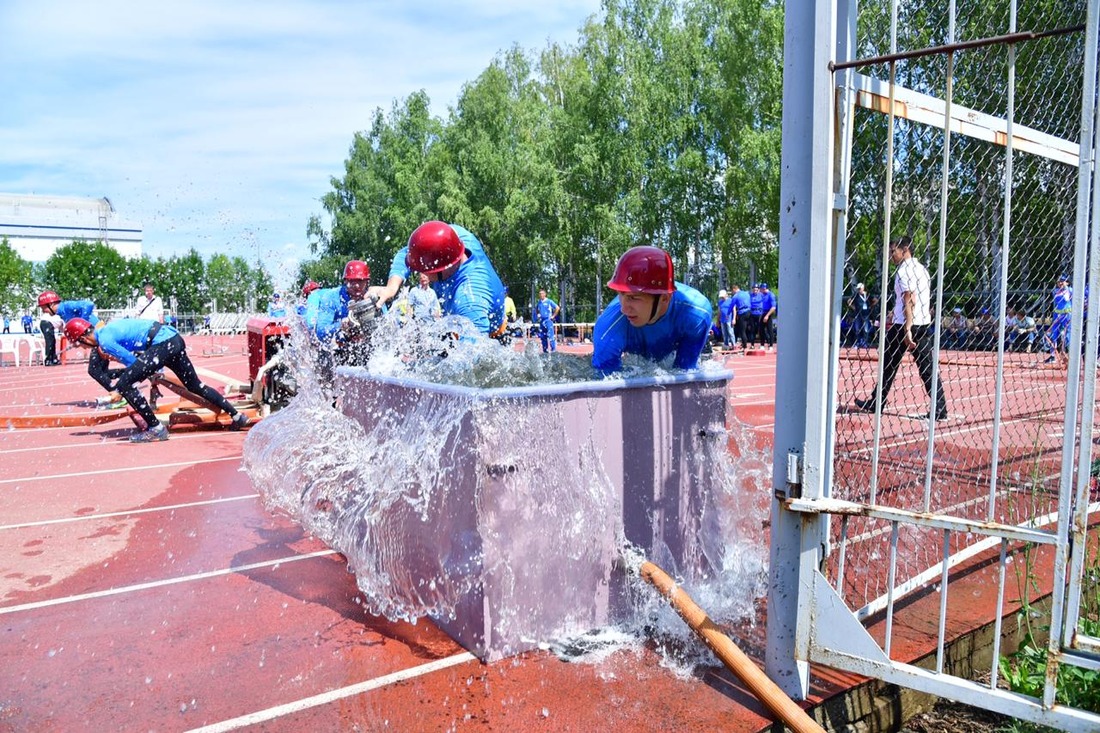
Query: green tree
[91,271]
[16,281]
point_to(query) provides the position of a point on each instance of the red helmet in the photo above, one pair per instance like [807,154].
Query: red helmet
[644,270]
[75,328]
[312,285]
[48,297]
[356,270]
[433,247]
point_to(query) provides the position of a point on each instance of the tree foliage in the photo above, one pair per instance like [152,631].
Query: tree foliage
[659,126]
[16,280]
[94,271]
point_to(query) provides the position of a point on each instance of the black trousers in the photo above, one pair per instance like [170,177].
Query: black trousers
[99,371]
[767,331]
[926,365]
[173,355]
[752,329]
[50,338]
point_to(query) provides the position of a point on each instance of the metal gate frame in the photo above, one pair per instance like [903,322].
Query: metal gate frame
[808,620]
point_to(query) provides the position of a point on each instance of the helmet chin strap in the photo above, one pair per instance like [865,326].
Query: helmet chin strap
[653,313]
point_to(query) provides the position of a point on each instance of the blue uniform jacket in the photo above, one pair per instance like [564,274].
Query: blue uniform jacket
[123,338]
[725,309]
[544,311]
[69,309]
[767,302]
[683,329]
[756,303]
[474,291]
[742,302]
[325,308]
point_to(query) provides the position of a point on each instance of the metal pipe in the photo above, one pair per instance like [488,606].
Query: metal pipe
[960,46]
[736,661]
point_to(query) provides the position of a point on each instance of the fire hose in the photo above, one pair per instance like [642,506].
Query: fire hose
[736,661]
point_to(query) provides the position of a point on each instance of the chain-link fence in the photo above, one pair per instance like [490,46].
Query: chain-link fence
[998,318]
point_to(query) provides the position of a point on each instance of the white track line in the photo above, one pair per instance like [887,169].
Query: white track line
[333,695]
[126,513]
[50,477]
[100,442]
[161,583]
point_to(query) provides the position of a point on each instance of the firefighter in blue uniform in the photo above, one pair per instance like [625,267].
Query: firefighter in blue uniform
[459,271]
[145,347]
[653,316]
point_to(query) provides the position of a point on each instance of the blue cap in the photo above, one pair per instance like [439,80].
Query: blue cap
[985,311]
[764,285]
[1062,277]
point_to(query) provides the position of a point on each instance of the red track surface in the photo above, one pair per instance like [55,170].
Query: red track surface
[146,587]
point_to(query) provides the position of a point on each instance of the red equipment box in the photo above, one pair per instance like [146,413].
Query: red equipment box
[265,339]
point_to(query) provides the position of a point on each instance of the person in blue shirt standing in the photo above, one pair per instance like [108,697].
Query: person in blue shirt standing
[756,312]
[275,307]
[51,304]
[543,314]
[423,302]
[742,314]
[1058,336]
[653,316]
[145,347]
[459,271]
[28,322]
[726,319]
[767,316]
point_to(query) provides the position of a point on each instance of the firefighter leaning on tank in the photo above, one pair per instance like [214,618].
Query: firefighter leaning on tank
[458,270]
[653,316]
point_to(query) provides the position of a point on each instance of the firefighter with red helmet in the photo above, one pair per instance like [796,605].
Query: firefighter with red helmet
[145,347]
[307,290]
[458,270]
[341,317]
[653,316]
[52,305]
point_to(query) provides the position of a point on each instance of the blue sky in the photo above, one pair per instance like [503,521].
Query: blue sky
[217,124]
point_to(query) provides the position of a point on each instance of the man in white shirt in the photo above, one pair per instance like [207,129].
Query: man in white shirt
[423,302]
[149,306]
[911,329]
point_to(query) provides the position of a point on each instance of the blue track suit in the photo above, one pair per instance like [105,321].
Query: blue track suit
[682,330]
[474,291]
[544,316]
[146,347]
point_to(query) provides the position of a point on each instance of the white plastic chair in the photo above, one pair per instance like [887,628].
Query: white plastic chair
[9,345]
[36,345]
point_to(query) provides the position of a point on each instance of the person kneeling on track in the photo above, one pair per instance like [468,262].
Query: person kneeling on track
[144,348]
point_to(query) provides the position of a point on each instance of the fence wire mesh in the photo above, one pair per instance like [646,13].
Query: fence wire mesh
[1000,320]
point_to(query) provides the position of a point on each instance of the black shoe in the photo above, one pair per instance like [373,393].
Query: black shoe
[867,405]
[239,421]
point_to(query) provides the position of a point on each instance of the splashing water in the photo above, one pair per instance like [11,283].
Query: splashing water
[427,523]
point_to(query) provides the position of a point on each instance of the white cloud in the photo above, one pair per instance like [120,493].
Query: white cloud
[218,125]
